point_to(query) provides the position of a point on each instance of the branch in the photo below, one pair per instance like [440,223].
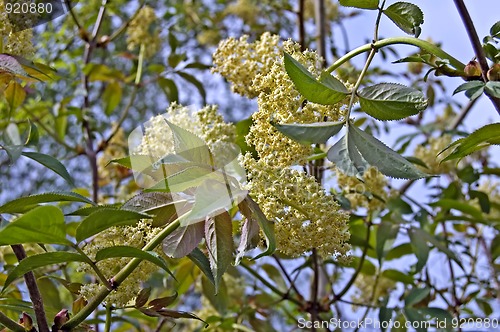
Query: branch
[422,44]
[10,324]
[476,45]
[118,278]
[33,290]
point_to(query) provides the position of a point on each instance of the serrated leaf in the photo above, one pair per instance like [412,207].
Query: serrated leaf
[219,242]
[126,251]
[190,146]
[492,88]
[327,91]
[391,101]
[249,238]
[420,249]
[347,158]
[199,258]
[44,224]
[52,164]
[407,16]
[24,204]
[212,198]
[39,260]
[481,138]
[308,133]
[104,219]
[112,96]
[386,160]
[14,95]
[251,210]
[472,89]
[363,4]
[169,88]
[183,240]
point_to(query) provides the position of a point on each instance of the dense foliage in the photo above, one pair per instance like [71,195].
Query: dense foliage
[272,202]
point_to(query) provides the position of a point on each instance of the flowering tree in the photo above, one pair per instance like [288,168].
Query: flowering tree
[291,218]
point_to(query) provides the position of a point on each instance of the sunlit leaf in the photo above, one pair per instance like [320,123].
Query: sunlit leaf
[407,16]
[52,164]
[308,133]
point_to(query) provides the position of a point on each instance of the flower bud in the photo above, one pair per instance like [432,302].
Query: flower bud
[494,73]
[60,319]
[472,71]
[27,322]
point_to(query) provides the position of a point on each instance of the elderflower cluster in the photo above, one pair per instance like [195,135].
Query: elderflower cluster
[257,69]
[206,123]
[14,43]
[429,155]
[368,193]
[134,236]
[142,30]
[305,216]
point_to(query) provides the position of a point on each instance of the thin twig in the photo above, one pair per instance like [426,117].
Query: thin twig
[287,276]
[34,292]
[476,45]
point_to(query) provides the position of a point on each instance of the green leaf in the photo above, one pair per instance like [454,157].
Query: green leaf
[44,224]
[14,95]
[251,210]
[420,249]
[112,96]
[481,138]
[438,313]
[407,16]
[219,242]
[199,258]
[169,88]
[104,219]
[484,200]
[24,204]
[438,244]
[126,251]
[416,295]
[197,84]
[463,207]
[327,91]
[391,101]
[385,233]
[386,160]
[183,240]
[212,197]
[219,300]
[495,29]
[416,318]
[492,88]
[190,146]
[398,276]
[346,157]
[495,247]
[52,164]
[249,238]
[39,260]
[472,89]
[364,4]
[399,251]
[308,133]
[36,70]
[385,317]
[33,134]
[187,178]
